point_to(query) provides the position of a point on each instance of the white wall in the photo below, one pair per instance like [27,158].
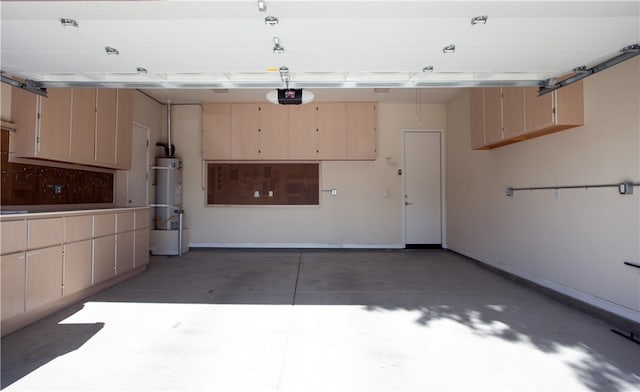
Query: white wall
[360,215]
[574,242]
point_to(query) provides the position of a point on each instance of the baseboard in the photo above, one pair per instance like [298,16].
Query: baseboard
[286,245]
[614,314]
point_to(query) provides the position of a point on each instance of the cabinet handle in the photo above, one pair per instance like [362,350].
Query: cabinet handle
[34,253]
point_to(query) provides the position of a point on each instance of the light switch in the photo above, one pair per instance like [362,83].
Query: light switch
[256,194]
[270,193]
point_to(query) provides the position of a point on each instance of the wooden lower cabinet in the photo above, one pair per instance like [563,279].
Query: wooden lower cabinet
[44,276]
[13,284]
[104,258]
[141,247]
[77,267]
[124,252]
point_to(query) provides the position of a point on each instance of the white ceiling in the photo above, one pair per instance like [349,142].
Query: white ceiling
[340,48]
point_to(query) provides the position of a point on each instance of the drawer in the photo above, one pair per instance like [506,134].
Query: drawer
[104,224]
[14,236]
[124,221]
[142,219]
[45,232]
[78,228]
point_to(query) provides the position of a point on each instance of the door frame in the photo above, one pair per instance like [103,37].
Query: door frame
[443,182]
[146,188]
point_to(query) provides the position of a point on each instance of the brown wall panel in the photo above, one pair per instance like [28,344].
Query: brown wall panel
[275,183]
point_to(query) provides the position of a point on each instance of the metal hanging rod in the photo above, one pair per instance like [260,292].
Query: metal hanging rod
[28,85]
[624,188]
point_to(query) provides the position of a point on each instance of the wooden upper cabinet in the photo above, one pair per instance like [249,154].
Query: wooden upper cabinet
[476,117]
[523,114]
[244,131]
[216,131]
[107,100]
[124,124]
[83,125]
[492,115]
[43,124]
[538,110]
[273,132]
[513,120]
[560,109]
[332,131]
[361,130]
[303,132]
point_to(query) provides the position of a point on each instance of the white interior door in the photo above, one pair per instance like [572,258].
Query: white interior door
[423,188]
[138,176]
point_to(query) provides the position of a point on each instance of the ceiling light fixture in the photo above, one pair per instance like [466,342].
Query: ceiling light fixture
[428,68]
[277,47]
[66,22]
[479,20]
[142,70]
[262,6]
[111,50]
[271,20]
[449,49]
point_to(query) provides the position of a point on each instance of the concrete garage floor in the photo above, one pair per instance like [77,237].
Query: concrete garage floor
[223,320]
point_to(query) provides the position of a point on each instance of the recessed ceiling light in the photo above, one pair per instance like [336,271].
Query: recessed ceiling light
[66,22]
[428,68]
[449,49]
[479,19]
[111,50]
[262,6]
[277,47]
[141,70]
[271,20]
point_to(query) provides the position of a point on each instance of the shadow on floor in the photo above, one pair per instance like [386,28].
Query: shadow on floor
[36,345]
[436,285]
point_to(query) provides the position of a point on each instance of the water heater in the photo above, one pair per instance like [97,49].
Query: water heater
[168,193]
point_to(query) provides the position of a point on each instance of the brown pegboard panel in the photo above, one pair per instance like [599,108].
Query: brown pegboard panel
[263,183]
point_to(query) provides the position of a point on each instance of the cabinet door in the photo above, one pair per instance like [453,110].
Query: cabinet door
[538,110]
[106,104]
[303,132]
[83,125]
[13,284]
[244,131]
[104,258]
[44,276]
[124,126]
[513,112]
[77,267]
[492,115]
[273,132]
[361,130]
[332,130]
[570,105]
[216,131]
[55,125]
[124,252]
[141,247]
[125,221]
[142,219]
[476,108]
[24,113]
